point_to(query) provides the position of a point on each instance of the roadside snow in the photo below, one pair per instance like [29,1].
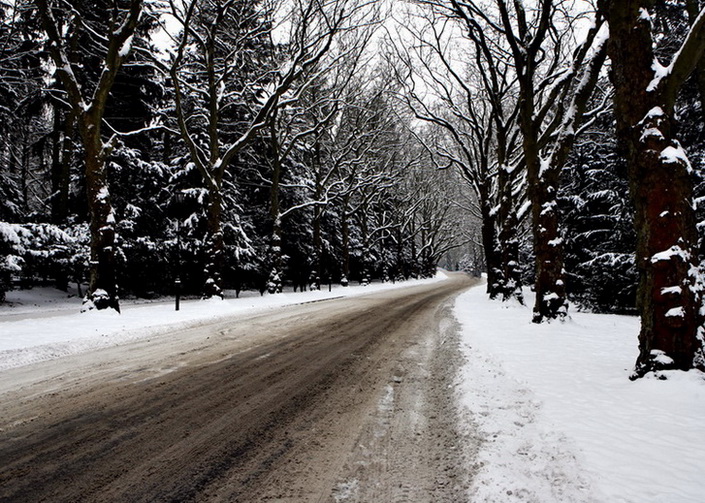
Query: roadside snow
[51,326]
[559,418]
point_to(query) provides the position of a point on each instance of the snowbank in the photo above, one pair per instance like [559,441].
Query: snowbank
[559,419]
[52,327]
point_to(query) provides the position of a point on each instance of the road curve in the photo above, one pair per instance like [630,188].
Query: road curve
[279,406]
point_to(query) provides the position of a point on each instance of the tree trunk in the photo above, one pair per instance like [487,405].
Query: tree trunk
[414,261]
[90,109]
[215,246]
[508,242]
[366,251]
[551,302]
[60,170]
[345,241]
[274,284]
[317,248]
[317,223]
[666,251]
[102,289]
[661,190]
[509,247]
[693,8]
[489,243]
[401,263]
[24,168]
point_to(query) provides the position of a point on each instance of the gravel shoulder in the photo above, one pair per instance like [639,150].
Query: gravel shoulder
[342,400]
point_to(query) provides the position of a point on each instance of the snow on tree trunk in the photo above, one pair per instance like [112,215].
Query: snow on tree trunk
[276,258]
[551,301]
[215,247]
[61,168]
[693,9]
[317,258]
[102,289]
[88,104]
[528,55]
[274,284]
[89,108]
[345,242]
[508,242]
[366,251]
[669,295]
[489,243]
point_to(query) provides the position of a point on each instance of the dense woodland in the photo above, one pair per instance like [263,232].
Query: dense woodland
[248,144]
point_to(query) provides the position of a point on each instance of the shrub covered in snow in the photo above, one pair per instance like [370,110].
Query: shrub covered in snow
[39,252]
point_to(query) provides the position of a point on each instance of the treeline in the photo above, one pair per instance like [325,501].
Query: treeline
[250,144]
[579,128]
[239,145]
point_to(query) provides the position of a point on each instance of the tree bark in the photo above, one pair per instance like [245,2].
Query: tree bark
[526,47]
[102,288]
[365,242]
[60,169]
[489,243]
[317,248]
[669,296]
[693,8]
[551,300]
[317,223]
[215,245]
[276,257]
[345,241]
[508,225]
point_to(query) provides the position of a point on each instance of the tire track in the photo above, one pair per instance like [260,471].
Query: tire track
[251,409]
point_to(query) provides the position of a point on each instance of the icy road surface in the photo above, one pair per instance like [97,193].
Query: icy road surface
[340,400]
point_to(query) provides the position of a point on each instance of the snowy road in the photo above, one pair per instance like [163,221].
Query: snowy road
[342,400]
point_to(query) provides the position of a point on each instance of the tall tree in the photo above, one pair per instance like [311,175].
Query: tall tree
[88,103]
[661,185]
[552,104]
[215,36]
[301,135]
[477,108]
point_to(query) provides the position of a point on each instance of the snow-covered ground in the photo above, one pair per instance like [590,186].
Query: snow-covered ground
[551,406]
[559,420]
[41,324]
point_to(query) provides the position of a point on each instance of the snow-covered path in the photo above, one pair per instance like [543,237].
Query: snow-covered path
[561,420]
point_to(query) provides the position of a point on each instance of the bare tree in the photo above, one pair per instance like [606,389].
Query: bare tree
[88,104]
[314,26]
[661,186]
[301,133]
[500,89]
[289,131]
[474,101]
[438,219]
[367,174]
[552,97]
[358,157]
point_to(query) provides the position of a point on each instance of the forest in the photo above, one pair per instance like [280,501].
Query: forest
[211,145]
